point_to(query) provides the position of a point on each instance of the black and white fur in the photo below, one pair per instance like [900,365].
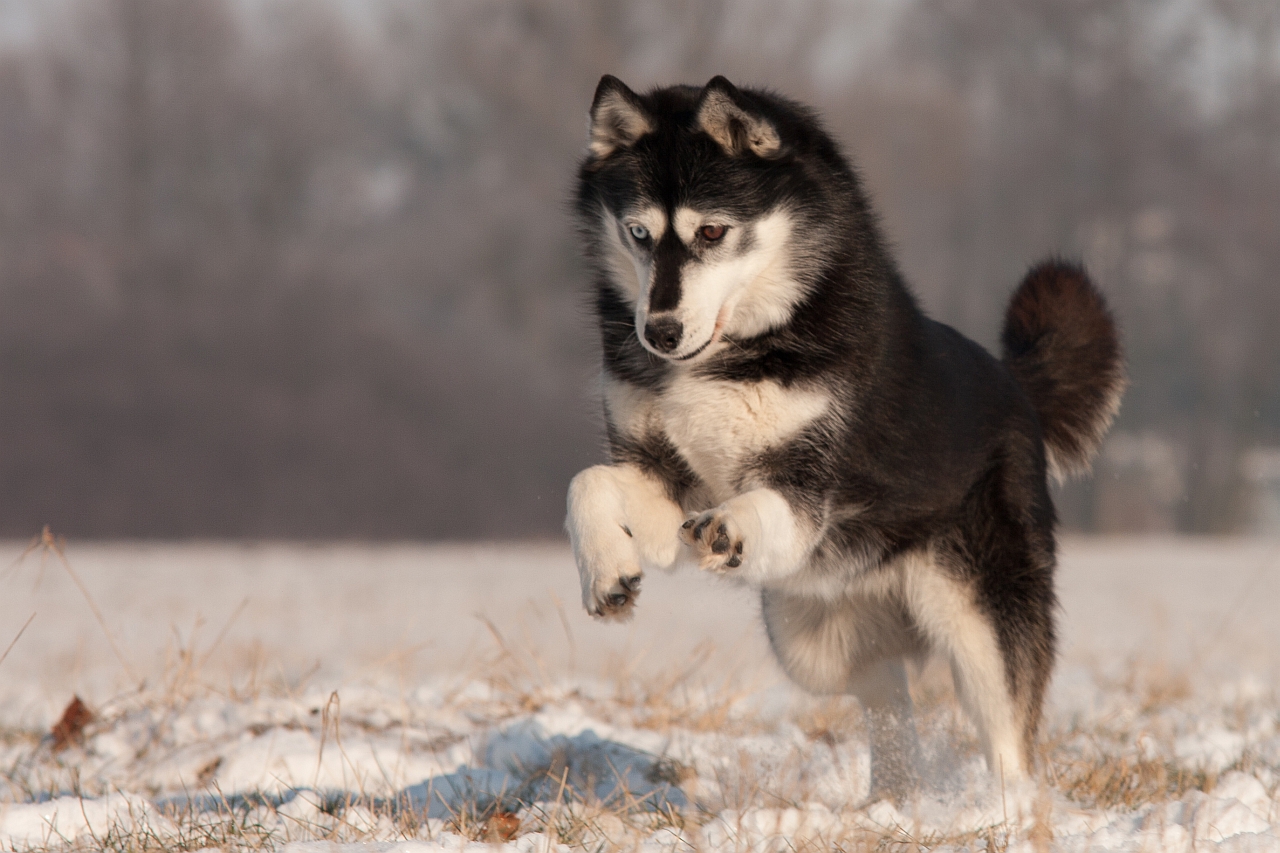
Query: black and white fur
[780,411]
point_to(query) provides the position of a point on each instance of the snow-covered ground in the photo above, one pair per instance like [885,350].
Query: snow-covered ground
[424,698]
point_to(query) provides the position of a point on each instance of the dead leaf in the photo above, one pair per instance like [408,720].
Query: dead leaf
[503,826]
[206,773]
[70,729]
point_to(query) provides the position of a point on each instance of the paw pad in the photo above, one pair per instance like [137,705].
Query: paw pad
[715,540]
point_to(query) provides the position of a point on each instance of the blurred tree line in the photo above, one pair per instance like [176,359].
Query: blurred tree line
[286,268]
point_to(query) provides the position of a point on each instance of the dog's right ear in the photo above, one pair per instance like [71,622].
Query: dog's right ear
[618,118]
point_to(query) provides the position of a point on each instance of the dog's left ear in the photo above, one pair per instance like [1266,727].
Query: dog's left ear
[722,113]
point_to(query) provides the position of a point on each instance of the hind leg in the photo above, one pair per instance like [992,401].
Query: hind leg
[854,646]
[987,671]
[881,687]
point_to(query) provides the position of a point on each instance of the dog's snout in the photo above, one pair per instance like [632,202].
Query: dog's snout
[663,333]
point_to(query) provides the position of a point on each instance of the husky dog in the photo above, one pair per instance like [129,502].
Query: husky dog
[779,411]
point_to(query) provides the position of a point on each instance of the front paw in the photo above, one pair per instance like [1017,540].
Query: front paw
[613,600]
[715,538]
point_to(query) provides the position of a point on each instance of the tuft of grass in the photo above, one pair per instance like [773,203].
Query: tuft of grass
[1127,781]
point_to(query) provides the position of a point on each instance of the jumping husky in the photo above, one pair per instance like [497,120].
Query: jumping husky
[779,411]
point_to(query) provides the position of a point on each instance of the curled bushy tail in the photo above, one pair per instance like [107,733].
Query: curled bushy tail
[1061,345]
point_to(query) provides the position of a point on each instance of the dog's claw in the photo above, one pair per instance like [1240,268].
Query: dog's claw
[616,601]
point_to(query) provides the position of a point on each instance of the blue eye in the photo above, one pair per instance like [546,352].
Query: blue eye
[639,232]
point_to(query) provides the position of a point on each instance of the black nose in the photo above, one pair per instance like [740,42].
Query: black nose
[663,334]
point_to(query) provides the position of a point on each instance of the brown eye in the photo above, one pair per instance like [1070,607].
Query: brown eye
[711,233]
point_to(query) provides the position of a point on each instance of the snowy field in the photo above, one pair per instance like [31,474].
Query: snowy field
[429,698]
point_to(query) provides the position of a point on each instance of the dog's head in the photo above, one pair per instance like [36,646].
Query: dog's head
[691,204]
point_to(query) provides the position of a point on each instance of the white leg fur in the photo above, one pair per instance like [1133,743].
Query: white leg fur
[754,537]
[945,611]
[620,523]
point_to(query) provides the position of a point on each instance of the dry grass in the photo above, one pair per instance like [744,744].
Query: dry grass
[1123,759]
[1108,781]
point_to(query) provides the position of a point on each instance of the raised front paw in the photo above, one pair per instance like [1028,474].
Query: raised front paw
[613,600]
[715,538]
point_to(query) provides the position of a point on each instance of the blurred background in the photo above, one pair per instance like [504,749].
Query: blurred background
[304,268]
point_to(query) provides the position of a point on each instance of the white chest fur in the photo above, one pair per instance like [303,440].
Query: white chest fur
[715,425]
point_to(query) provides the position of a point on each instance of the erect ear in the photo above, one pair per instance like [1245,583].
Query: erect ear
[736,128]
[617,117]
